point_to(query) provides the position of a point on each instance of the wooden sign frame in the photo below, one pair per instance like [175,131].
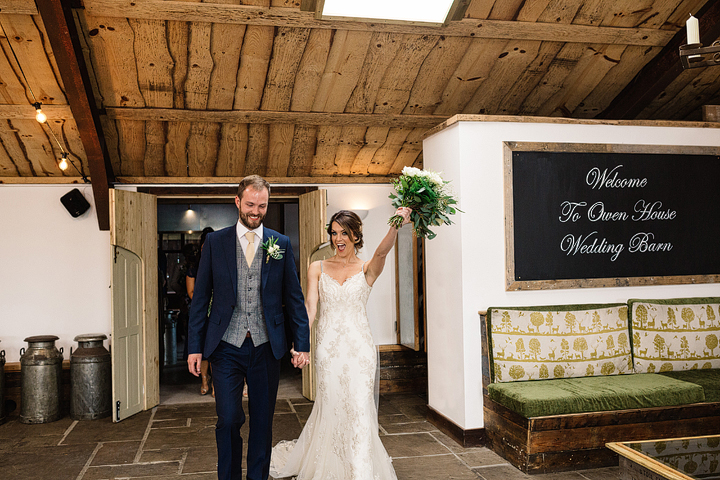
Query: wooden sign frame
[514,284]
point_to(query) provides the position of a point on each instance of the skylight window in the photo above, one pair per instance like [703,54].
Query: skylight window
[436,12]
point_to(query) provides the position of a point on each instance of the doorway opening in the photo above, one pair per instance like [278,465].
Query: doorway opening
[181,220]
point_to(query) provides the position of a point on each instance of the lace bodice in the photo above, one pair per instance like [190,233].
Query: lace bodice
[342,307]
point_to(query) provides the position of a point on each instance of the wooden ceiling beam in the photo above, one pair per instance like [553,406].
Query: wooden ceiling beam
[60,26]
[28,112]
[663,69]
[40,180]
[292,17]
[275,117]
[272,180]
[18,7]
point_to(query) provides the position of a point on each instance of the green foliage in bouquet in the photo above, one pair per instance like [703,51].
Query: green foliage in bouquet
[427,194]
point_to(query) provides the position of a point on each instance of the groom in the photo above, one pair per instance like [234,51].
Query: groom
[243,332]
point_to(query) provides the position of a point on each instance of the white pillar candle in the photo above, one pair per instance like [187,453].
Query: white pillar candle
[693,30]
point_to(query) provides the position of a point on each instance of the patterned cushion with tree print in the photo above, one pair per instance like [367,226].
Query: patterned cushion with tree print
[531,343]
[675,334]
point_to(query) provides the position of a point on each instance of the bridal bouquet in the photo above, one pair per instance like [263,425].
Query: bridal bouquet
[429,197]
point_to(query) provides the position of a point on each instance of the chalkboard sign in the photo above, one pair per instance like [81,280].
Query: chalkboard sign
[608,215]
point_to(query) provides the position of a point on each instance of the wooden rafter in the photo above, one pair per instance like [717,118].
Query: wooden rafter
[64,41]
[275,117]
[663,69]
[291,17]
[365,179]
[28,112]
[19,7]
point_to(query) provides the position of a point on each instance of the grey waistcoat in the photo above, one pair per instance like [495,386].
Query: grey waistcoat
[248,314]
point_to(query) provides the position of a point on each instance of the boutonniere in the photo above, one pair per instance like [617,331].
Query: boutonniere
[272,249]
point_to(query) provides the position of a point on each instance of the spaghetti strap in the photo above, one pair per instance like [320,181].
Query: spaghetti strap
[363,267]
[322,262]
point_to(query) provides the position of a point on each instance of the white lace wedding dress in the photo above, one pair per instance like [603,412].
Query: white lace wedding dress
[340,439]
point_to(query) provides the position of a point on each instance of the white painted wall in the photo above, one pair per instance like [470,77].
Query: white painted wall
[373,198]
[54,269]
[466,262]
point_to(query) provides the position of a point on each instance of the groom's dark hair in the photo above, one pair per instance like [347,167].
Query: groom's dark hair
[254,181]
[351,223]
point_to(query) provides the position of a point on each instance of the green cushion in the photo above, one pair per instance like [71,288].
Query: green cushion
[709,379]
[594,394]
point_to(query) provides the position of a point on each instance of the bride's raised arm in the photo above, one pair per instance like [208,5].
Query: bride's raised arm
[312,295]
[377,263]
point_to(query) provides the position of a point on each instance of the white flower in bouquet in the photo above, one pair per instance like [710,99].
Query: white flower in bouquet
[429,197]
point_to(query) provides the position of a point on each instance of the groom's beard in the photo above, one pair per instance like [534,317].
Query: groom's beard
[251,223]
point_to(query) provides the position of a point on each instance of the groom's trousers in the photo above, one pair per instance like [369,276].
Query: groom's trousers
[231,366]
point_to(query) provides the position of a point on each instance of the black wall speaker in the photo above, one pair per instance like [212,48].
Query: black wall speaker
[74,202]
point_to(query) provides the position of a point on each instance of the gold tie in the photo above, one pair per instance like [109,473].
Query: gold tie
[250,251]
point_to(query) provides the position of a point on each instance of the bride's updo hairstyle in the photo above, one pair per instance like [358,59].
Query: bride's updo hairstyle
[351,223]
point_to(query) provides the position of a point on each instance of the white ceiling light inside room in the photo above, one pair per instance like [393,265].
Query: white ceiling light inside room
[434,12]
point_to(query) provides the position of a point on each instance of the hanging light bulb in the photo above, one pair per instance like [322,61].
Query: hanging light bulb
[63,162]
[40,116]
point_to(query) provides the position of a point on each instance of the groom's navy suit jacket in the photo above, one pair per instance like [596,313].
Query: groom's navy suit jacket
[217,280]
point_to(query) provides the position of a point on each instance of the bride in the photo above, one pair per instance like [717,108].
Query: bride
[340,440]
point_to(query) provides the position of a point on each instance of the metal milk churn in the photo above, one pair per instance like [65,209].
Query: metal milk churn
[40,377]
[90,378]
[3,413]
[170,340]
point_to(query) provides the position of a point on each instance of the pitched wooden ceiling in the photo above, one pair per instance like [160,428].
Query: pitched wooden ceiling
[190,92]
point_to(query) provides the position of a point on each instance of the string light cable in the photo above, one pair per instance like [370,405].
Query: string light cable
[65,158]
[40,115]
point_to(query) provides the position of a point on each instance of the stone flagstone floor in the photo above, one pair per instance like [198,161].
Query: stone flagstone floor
[177,442]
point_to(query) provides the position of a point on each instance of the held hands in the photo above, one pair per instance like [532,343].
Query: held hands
[194,360]
[299,359]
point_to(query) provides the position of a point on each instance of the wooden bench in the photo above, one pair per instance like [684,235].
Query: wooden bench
[577,441]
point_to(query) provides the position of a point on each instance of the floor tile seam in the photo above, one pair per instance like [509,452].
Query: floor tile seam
[183,459]
[382,430]
[493,465]
[297,416]
[422,456]
[583,476]
[153,462]
[411,423]
[172,475]
[145,436]
[161,420]
[67,432]
[416,433]
[103,441]
[199,426]
[450,450]
[89,461]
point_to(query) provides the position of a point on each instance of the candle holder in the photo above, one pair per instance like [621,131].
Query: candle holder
[694,55]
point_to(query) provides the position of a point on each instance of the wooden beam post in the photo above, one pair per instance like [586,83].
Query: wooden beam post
[711,113]
[663,69]
[62,33]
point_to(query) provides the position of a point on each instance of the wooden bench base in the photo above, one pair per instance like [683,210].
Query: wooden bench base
[577,441]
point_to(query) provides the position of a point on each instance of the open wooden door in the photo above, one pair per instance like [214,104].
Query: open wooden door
[313,217]
[134,325]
